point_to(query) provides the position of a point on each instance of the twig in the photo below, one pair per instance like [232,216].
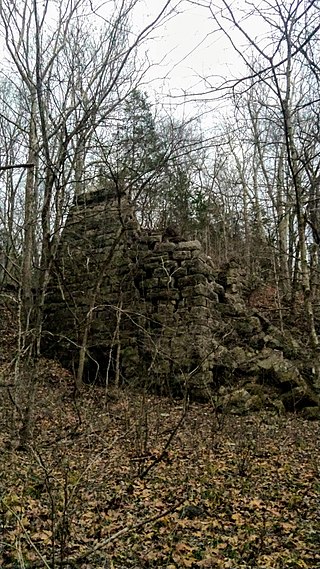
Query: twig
[11,167]
[159,458]
[123,531]
[28,538]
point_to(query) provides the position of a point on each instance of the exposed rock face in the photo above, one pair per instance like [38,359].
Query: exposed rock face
[151,309]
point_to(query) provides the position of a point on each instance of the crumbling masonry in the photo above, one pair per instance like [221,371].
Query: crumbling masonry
[149,309]
[144,304]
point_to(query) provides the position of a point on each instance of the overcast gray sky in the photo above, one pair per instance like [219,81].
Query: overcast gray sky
[187,49]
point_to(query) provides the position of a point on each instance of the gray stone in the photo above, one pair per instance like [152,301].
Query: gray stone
[192,280]
[189,245]
[165,246]
[180,255]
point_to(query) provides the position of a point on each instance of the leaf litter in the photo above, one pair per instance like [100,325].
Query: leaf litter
[138,481]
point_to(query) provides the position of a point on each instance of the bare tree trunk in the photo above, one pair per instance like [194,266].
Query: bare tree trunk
[118,344]
[29,227]
[25,380]
[283,229]
[293,162]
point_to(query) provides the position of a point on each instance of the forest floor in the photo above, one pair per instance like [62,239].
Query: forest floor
[132,481]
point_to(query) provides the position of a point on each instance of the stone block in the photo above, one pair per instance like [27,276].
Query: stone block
[152,256]
[150,283]
[166,246]
[189,245]
[212,295]
[158,320]
[160,294]
[197,301]
[166,282]
[153,263]
[179,272]
[157,255]
[170,265]
[149,240]
[191,280]
[311,413]
[181,255]
[200,312]
[165,307]
[198,265]
[195,254]
[199,290]
[202,335]
[160,272]
[187,291]
[169,293]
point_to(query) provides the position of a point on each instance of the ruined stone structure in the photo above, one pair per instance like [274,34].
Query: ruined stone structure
[150,309]
[142,303]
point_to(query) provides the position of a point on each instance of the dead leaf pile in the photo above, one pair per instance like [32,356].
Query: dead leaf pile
[133,481]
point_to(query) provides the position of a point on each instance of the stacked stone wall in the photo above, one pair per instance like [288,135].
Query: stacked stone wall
[178,288]
[151,310]
[146,298]
[91,280]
